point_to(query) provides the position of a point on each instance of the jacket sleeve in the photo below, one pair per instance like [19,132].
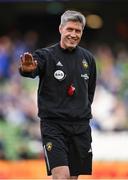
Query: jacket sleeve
[92,80]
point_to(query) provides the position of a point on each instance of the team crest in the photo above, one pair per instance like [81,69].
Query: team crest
[49,146]
[59,75]
[85,64]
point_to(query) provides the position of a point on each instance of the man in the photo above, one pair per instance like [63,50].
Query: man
[67,80]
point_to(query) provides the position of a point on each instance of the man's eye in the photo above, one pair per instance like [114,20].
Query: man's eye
[78,31]
[69,29]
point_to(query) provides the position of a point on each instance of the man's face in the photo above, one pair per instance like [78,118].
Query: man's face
[71,34]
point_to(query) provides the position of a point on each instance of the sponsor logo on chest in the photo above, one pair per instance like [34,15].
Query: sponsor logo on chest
[85,76]
[59,75]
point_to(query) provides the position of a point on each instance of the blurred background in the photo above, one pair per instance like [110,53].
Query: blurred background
[26,25]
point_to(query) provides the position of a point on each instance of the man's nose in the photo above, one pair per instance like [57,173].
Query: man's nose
[73,33]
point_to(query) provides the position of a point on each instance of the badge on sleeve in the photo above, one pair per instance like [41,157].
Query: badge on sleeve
[59,75]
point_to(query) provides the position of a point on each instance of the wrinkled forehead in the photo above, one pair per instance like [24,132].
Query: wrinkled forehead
[73,25]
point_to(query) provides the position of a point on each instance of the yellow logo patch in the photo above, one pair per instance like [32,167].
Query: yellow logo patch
[85,64]
[49,146]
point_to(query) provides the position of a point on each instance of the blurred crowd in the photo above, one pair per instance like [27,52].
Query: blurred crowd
[18,101]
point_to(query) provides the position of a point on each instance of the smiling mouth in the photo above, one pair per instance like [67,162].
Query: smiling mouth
[72,41]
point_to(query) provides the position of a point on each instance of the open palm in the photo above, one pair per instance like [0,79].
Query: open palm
[27,63]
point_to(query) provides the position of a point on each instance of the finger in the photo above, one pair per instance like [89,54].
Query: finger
[28,58]
[21,58]
[35,63]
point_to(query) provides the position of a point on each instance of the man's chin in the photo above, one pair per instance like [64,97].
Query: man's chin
[71,46]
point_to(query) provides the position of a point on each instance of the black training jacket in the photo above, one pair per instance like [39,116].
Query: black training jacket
[58,69]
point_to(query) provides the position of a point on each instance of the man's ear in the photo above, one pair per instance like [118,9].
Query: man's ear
[60,29]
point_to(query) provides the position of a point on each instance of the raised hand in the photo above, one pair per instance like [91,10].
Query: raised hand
[27,63]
